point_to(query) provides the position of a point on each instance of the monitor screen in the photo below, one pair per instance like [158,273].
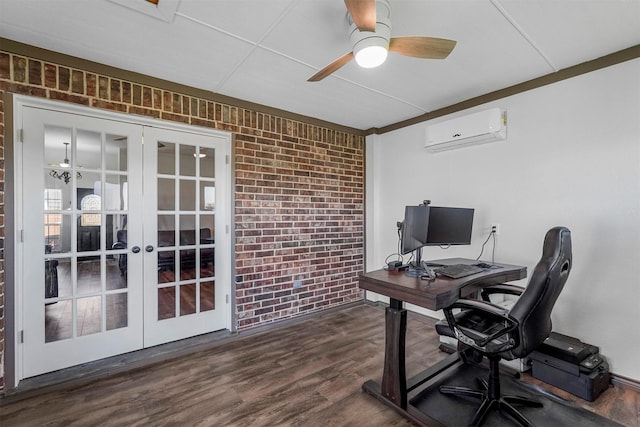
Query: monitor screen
[414,228]
[449,226]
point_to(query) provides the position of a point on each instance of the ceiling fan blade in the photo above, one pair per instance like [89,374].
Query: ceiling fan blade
[363,13]
[422,47]
[334,66]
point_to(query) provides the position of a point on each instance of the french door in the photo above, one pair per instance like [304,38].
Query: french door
[124,236]
[180,235]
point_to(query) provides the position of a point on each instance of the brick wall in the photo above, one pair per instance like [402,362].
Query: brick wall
[299,221]
[299,187]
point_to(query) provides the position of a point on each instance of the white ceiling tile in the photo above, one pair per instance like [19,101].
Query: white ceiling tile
[570,32]
[314,32]
[260,81]
[246,19]
[264,51]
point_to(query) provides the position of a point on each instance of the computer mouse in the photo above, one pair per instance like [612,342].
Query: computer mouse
[484,265]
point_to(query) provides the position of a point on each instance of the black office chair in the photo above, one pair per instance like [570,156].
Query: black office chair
[499,333]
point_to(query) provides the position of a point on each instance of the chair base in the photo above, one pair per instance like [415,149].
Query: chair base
[491,398]
[502,403]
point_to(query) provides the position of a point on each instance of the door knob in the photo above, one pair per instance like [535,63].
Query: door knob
[148,248]
[135,249]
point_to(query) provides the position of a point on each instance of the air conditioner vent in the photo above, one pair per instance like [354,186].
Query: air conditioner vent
[473,129]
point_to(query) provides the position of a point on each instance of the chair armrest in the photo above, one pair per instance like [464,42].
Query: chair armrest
[501,288]
[119,245]
[482,307]
[474,304]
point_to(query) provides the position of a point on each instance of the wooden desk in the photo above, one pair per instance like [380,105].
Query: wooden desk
[433,295]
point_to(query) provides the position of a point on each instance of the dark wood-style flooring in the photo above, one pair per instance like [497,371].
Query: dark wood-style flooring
[303,373]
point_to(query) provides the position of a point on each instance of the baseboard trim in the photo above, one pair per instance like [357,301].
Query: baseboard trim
[625,382]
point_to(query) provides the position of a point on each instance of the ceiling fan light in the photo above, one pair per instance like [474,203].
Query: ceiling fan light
[371,56]
[370,48]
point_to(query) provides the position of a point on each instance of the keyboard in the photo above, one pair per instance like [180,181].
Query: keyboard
[457,271]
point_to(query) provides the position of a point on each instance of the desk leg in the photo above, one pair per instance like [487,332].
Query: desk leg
[394,377]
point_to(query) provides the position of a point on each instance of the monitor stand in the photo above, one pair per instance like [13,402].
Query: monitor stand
[416,267]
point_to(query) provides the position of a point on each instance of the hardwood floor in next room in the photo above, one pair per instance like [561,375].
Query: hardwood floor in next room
[305,373]
[59,314]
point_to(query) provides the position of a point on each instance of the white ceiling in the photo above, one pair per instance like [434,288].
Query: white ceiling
[263,51]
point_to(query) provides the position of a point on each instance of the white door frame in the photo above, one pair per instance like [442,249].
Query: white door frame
[15,373]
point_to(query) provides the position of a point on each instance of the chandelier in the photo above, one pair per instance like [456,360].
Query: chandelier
[64,175]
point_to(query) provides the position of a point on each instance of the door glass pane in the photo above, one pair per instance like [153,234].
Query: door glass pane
[207,251]
[88,236]
[207,296]
[166,194]
[90,184]
[57,146]
[58,321]
[116,311]
[187,195]
[116,269]
[89,277]
[187,264]
[57,233]
[166,303]
[207,221]
[115,189]
[166,222]
[166,158]
[166,266]
[116,155]
[207,263]
[187,230]
[207,196]
[116,231]
[52,231]
[57,194]
[89,148]
[65,283]
[188,157]
[89,316]
[187,299]
[89,203]
[207,162]
[166,238]
[51,278]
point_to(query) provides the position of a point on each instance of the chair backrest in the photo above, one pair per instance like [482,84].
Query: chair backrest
[533,308]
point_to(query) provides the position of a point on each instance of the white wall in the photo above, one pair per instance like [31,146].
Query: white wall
[572,158]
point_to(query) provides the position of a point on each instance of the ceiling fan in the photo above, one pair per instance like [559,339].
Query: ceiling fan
[371,39]
[65,165]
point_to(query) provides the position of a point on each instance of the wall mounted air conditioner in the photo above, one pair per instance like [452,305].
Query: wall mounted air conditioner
[473,129]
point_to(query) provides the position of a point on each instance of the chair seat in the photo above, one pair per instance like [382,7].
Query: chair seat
[474,324]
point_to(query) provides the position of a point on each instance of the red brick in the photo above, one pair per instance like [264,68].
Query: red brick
[77,82]
[299,188]
[5,60]
[35,72]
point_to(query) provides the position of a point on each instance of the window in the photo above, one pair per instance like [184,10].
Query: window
[91,202]
[52,221]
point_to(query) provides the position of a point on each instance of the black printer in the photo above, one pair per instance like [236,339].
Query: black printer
[570,364]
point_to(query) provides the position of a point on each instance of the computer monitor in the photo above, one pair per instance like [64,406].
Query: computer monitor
[449,226]
[414,228]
